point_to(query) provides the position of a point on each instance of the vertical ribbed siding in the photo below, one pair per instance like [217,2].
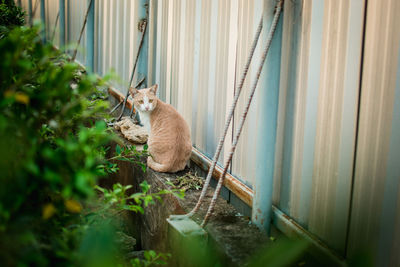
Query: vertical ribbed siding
[186,61]
[327,141]
[51,13]
[292,31]
[98,45]
[375,207]
[35,4]
[292,161]
[118,39]
[292,203]
[197,57]
[76,11]
[75,15]
[200,136]
[24,5]
[52,8]
[244,160]
[321,118]
[193,63]
[116,34]
[225,66]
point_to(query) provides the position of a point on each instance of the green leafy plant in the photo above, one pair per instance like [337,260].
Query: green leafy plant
[151,258]
[53,144]
[119,198]
[50,148]
[131,154]
[10,16]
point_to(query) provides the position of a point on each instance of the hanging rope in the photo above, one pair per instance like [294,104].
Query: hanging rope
[244,115]
[116,106]
[228,120]
[80,35]
[35,8]
[144,27]
[55,26]
[119,104]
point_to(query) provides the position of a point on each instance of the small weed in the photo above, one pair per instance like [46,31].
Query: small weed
[189,181]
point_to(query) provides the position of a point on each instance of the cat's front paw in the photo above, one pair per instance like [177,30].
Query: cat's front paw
[150,162]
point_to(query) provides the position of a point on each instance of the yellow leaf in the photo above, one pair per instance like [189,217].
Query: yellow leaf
[48,211]
[22,98]
[73,206]
[8,93]
[19,97]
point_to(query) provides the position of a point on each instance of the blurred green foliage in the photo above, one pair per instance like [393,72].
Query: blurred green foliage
[53,148]
[10,16]
[151,258]
[283,252]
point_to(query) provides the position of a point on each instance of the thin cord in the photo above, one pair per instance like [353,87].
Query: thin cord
[80,35]
[55,26]
[244,115]
[35,8]
[133,70]
[116,106]
[119,104]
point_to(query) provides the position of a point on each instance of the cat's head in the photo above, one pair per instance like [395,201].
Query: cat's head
[144,99]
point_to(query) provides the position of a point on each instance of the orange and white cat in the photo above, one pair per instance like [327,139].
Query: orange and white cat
[169,141]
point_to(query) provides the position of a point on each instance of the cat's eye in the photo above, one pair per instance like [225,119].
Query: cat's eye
[140,101]
[151,101]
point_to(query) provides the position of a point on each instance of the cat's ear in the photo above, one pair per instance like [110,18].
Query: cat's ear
[133,91]
[153,89]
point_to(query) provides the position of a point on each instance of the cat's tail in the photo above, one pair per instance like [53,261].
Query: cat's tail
[157,166]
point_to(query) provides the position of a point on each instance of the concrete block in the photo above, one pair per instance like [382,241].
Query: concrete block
[187,227]
[188,242]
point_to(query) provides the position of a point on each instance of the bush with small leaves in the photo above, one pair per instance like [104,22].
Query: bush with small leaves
[10,16]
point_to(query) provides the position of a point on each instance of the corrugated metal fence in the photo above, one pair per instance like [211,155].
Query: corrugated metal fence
[337,167]
[335,139]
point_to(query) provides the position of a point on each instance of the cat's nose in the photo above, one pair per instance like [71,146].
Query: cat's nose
[147,107]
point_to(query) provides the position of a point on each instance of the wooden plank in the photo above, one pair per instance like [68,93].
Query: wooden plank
[119,96]
[233,184]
